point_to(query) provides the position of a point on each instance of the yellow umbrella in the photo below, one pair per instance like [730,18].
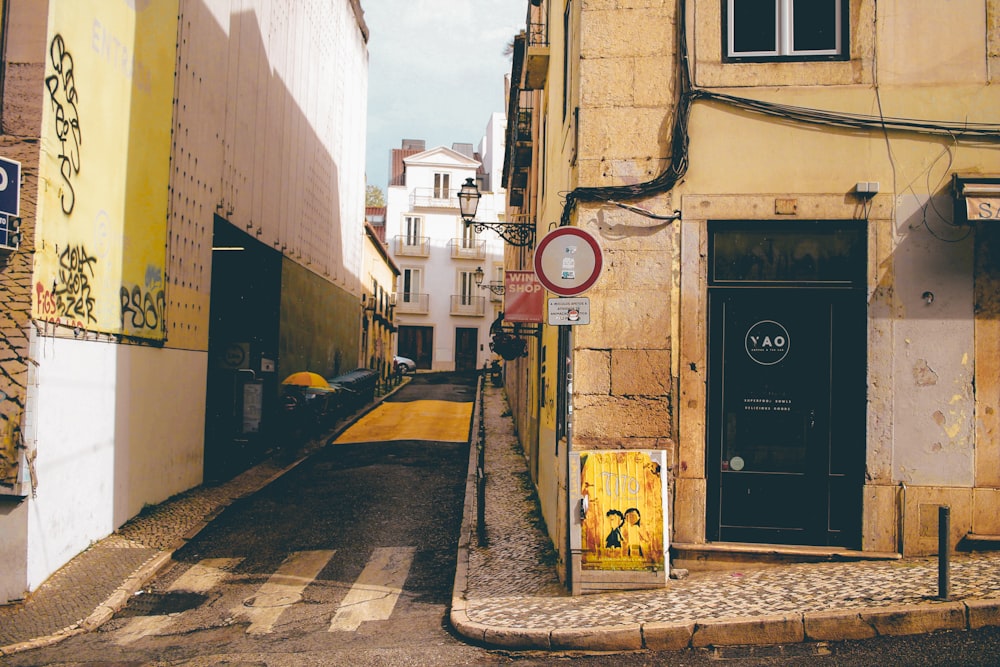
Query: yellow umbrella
[306,379]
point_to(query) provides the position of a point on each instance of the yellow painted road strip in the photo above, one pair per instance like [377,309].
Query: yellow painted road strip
[284,588]
[373,596]
[201,577]
[442,421]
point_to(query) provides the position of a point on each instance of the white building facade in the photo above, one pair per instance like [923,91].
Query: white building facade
[443,315]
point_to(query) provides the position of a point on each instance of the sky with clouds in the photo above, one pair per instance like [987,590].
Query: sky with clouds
[436,72]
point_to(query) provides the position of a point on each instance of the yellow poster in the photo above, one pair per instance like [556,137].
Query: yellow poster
[101,231]
[622,526]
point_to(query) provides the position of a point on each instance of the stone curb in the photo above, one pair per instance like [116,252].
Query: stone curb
[735,631]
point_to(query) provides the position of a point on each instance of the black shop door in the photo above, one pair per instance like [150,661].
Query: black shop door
[786,416]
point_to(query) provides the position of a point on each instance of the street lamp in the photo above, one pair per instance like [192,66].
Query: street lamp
[496,289]
[518,234]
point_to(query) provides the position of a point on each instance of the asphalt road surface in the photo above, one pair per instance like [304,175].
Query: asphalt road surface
[349,559]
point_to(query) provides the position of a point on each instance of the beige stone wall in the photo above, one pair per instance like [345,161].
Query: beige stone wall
[626,84]
[639,367]
[623,388]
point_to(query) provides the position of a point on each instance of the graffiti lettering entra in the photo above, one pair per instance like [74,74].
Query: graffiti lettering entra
[144,309]
[63,96]
[72,291]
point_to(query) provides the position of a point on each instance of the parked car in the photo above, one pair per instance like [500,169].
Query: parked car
[403,365]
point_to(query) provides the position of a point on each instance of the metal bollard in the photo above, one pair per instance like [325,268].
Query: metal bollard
[481,535]
[944,552]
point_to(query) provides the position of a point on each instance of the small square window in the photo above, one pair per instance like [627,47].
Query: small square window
[785,29]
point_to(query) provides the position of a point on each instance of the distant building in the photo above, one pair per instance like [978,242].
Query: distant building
[375,216]
[378,299]
[442,314]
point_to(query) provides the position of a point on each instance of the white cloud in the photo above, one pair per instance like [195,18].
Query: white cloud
[436,71]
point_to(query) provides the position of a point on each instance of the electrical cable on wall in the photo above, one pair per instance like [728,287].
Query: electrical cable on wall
[687,93]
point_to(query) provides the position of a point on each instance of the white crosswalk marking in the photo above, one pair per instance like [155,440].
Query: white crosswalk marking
[199,578]
[374,594]
[283,589]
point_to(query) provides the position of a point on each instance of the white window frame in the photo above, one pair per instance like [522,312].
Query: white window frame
[411,285]
[467,286]
[442,185]
[413,226]
[469,236]
[784,33]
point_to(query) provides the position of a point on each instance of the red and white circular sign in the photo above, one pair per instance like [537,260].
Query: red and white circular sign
[568,261]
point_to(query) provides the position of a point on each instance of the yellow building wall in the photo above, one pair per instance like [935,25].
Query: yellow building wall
[105,155]
[649,308]
[378,284]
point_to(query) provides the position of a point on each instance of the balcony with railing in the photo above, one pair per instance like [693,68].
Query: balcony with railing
[522,137]
[536,57]
[433,198]
[412,303]
[467,248]
[412,246]
[467,305]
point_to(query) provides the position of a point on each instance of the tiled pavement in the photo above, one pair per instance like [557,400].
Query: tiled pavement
[507,596]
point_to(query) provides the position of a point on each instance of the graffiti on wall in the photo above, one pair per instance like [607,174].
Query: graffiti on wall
[142,310]
[71,299]
[101,228]
[61,86]
[622,527]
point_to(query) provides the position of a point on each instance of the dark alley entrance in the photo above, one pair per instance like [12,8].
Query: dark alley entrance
[240,405]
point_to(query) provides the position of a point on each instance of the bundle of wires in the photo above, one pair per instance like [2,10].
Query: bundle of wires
[687,94]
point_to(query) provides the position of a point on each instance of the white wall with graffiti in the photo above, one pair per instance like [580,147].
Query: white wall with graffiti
[151,128]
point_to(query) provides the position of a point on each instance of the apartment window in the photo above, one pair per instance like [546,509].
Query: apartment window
[411,285]
[413,225]
[785,29]
[442,186]
[469,237]
[467,282]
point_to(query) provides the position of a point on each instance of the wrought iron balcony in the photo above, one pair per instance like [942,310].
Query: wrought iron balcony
[468,305]
[468,249]
[536,57]
[412,303]
[412,246]
[433,198]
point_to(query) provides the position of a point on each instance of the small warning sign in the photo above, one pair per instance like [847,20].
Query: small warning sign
[569,312]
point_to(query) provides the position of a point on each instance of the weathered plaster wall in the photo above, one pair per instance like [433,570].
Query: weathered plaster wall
[933,347]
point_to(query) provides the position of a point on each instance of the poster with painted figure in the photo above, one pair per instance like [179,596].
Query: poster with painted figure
[623,527]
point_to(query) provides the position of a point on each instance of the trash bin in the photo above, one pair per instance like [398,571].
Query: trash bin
[357,387]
